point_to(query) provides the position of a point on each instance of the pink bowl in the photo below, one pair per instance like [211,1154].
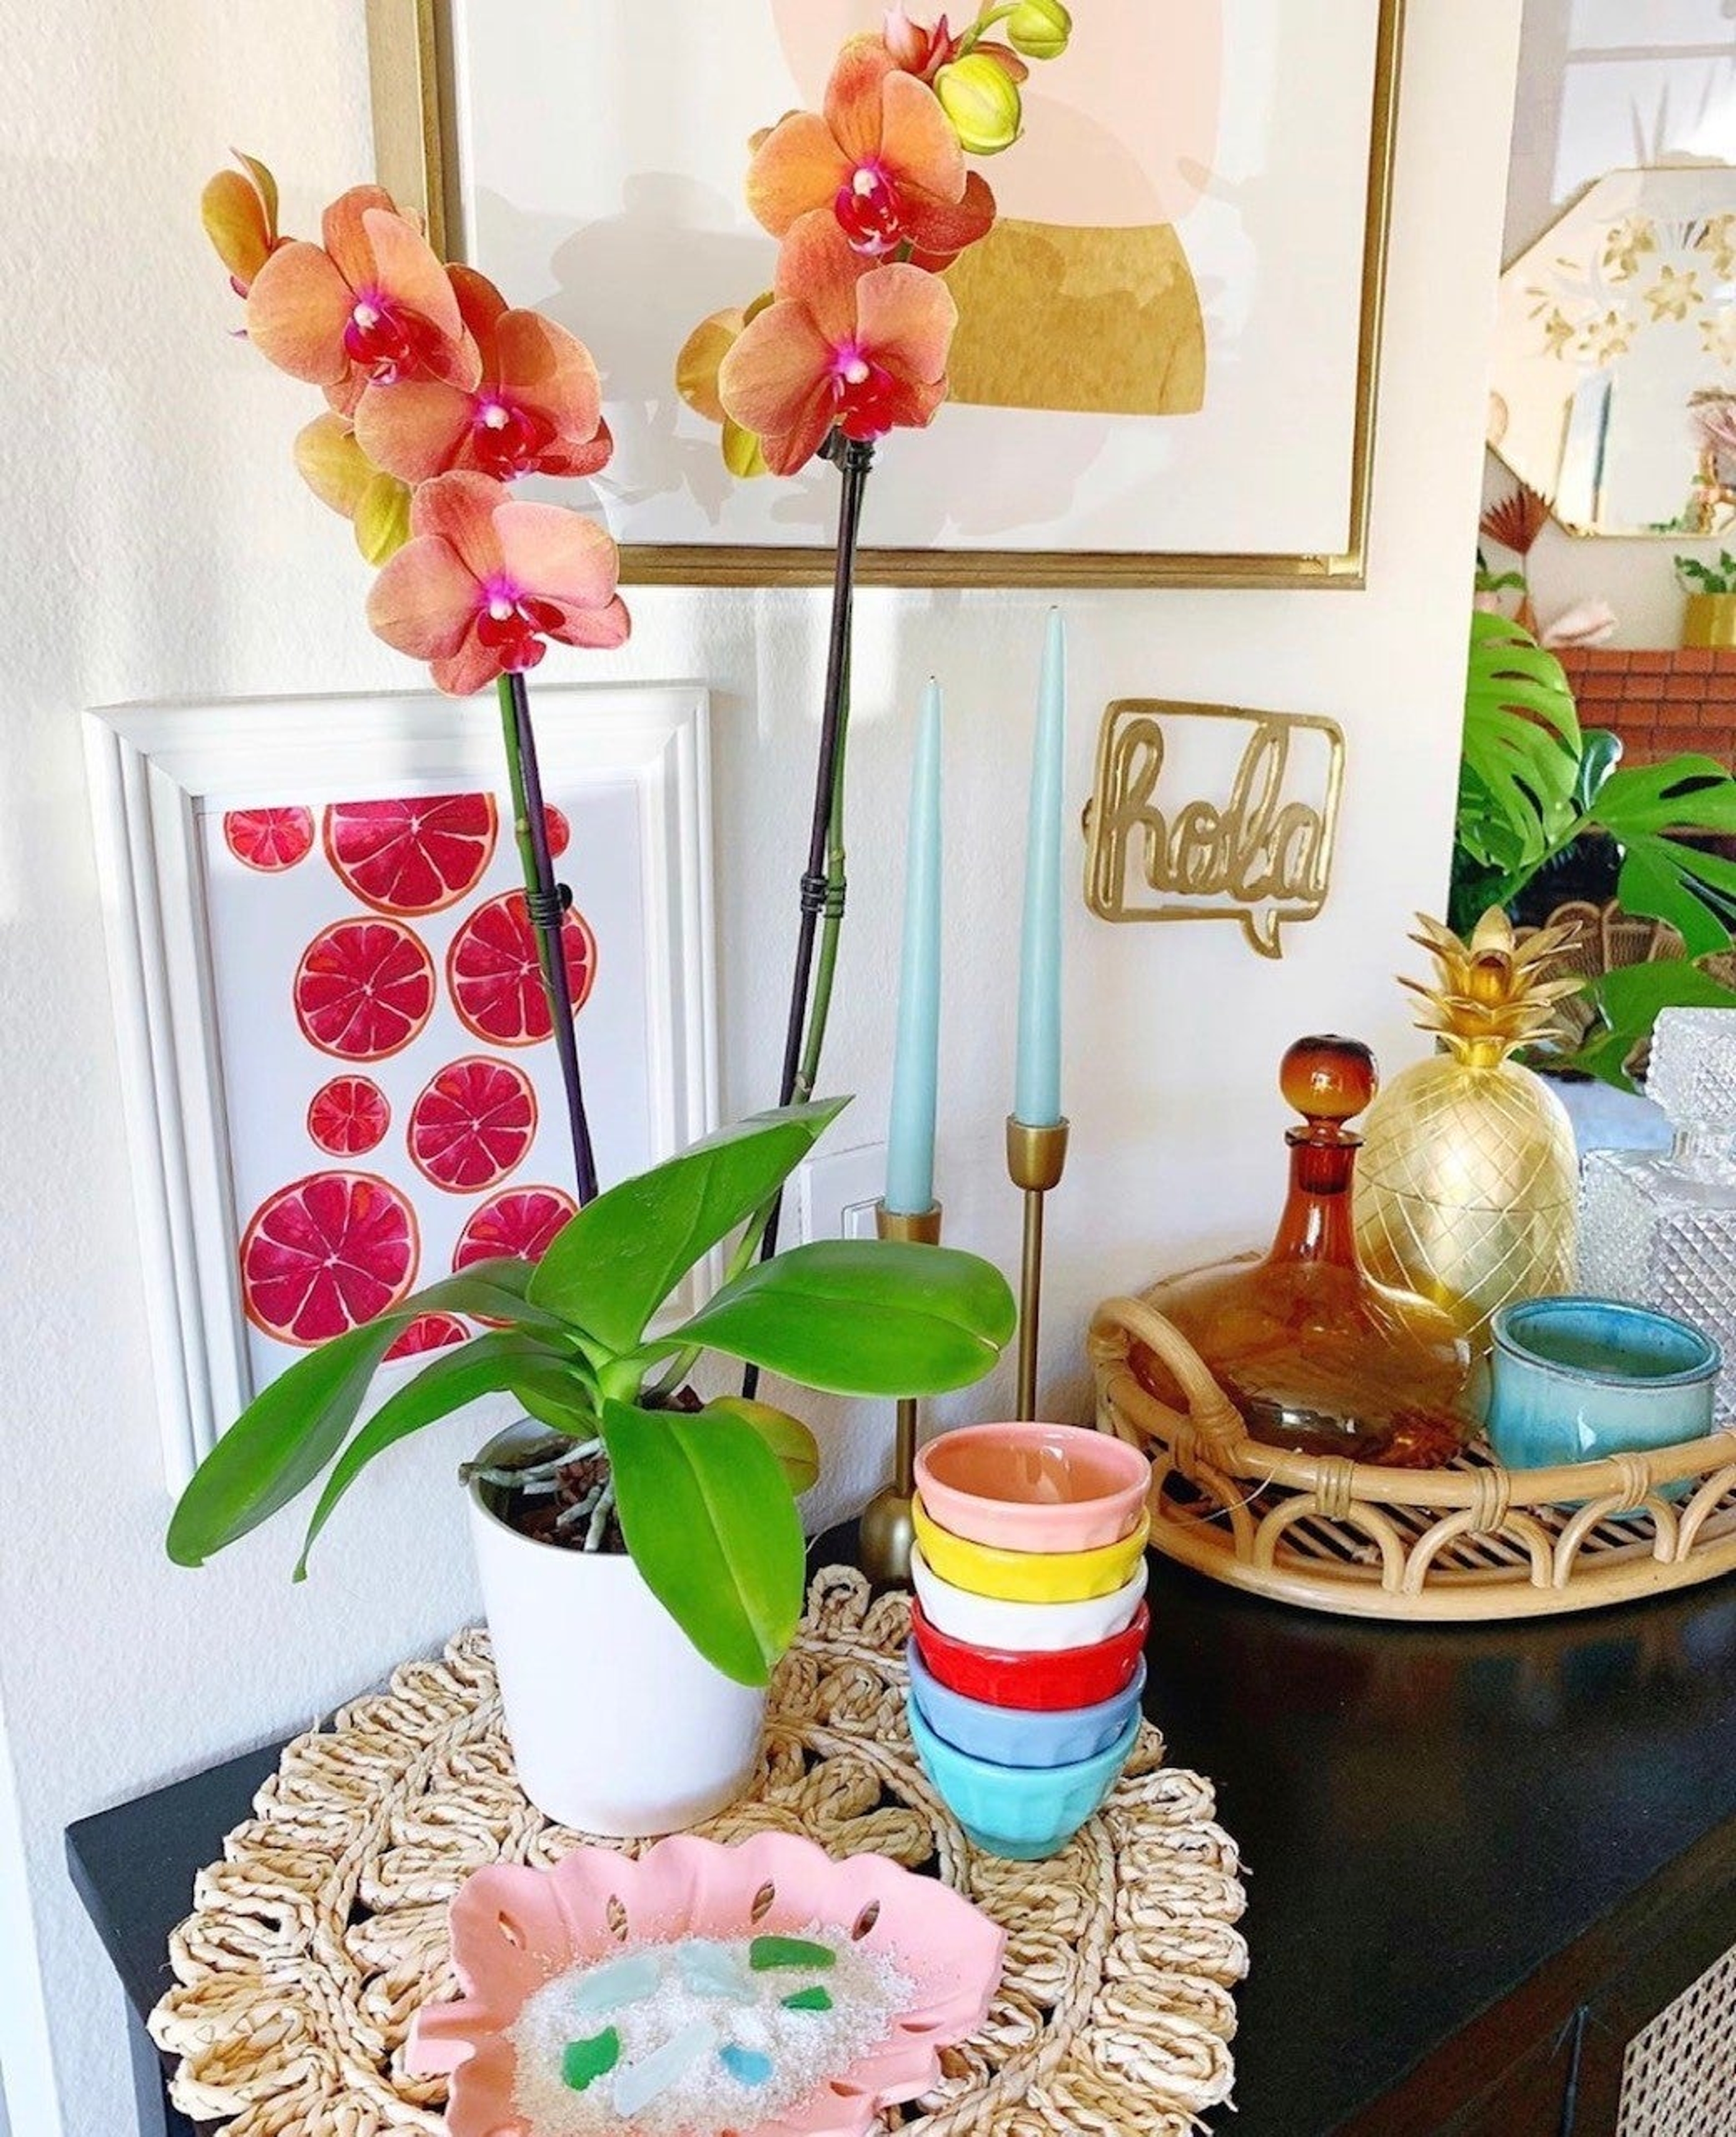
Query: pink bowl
[514,1929]
[1040,1487]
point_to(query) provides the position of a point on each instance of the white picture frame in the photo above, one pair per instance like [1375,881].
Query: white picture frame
[155,769]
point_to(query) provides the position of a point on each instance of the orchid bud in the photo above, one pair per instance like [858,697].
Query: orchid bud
[1040,29]
[240,212]
[982,101]
[907,42]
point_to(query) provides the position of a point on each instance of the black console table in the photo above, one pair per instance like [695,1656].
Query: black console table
[1480,1858]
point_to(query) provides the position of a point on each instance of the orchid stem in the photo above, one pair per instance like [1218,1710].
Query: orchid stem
[546,901]
[823,883]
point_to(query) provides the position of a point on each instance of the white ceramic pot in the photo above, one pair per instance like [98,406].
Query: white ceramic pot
[618,1725]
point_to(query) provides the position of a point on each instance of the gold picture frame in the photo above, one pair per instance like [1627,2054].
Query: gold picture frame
[416,155]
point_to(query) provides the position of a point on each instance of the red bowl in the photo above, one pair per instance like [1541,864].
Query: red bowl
[1044,1684]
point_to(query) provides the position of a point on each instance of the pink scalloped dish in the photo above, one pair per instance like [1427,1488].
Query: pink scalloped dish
[700,1990]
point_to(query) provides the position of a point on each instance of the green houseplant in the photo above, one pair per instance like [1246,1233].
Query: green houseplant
[705,1495]
[1708,615]
[1532,784]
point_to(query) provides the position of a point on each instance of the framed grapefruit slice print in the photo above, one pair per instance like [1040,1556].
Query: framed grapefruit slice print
[339,1057]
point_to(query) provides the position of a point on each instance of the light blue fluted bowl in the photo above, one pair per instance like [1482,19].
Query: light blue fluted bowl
[1573,1379]
[1022,1812]
[1007,1736]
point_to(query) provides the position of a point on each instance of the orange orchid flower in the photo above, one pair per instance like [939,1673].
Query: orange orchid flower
[371,303]
[239,209]
[844,342]
[883,157]
[536,410]
[486,578]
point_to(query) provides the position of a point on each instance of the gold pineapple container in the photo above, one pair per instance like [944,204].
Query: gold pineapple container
[1467,1188]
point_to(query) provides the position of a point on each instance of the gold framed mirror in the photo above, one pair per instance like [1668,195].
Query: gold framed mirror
[1614,382]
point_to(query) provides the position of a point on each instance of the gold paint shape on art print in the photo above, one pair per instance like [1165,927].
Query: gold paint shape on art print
[1256,847]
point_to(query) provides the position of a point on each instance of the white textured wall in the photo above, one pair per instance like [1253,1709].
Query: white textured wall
[155,544]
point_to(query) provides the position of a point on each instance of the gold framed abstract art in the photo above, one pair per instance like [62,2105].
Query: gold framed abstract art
[1166,368]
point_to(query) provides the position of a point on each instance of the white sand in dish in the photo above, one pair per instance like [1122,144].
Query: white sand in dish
[806,2048]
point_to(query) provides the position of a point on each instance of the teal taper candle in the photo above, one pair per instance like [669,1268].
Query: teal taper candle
[916,1065]
[1037,1087]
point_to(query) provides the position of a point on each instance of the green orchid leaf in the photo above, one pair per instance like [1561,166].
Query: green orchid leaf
[711,1522]
[486,1366]
[290,1431]
[1521,750]
[863,1318]
[1662,878]
[796,1448]
[566,1401]
[1628,1000]
[614,1264]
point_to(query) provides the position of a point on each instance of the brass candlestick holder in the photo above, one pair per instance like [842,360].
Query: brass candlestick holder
[1036,1158]
[887,1531]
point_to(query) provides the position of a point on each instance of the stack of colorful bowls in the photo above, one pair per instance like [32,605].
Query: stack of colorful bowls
[1029,1626]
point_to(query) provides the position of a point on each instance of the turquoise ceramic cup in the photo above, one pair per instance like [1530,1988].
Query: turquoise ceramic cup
[1004,1736]
[1573,1379]
[1024,1814]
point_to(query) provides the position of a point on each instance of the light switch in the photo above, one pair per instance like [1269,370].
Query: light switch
[836,1194]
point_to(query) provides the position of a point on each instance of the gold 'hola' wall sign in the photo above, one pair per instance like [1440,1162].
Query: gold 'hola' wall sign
[1256,847]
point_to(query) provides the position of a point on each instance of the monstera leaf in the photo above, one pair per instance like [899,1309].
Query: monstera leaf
[1662,878]
[1522,750]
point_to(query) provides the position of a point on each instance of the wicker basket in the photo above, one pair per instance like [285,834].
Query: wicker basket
[1475,1541]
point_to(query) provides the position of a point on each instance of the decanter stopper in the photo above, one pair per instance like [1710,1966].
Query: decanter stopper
[1693,1079]
[1693,1073]
[1329,1080]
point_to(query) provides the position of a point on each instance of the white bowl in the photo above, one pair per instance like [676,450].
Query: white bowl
[1024,1627]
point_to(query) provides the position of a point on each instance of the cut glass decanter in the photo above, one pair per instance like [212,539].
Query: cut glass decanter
[1659,1228]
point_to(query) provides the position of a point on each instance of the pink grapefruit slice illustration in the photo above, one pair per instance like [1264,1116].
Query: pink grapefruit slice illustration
[496,980]
[429,1331]
[472,1124]
[325,1253]
[363,989]
[413,854]
[269,840]
[522,1221]
[348,1116]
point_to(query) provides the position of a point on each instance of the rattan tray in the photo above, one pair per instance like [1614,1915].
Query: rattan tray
[1474,1540]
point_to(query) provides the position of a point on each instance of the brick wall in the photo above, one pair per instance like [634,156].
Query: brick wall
[1659,703]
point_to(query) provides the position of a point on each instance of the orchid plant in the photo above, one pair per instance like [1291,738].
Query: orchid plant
[871,199]
[439,395]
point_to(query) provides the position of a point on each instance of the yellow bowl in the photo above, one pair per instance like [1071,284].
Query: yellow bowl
[1028,1576]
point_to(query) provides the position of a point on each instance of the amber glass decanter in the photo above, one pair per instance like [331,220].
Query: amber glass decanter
[1317,1356]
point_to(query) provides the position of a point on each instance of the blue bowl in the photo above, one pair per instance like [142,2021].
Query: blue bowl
[1024,1813]
[1576,1379]
[1006,1737]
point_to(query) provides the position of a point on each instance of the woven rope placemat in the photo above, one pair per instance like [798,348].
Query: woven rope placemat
[324,1928]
